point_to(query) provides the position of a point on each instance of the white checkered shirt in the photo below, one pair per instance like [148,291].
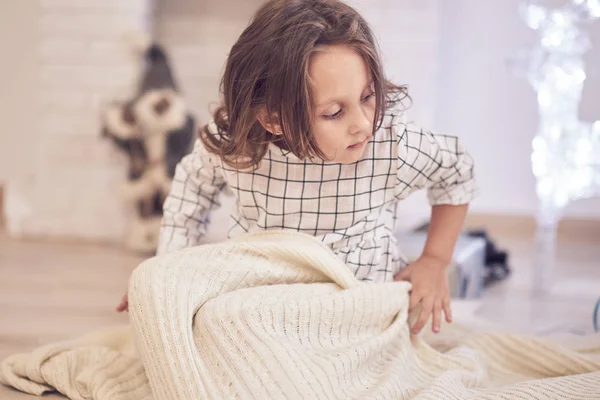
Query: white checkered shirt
[350,207]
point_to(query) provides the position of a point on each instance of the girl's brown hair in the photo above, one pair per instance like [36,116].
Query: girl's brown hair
[267,69]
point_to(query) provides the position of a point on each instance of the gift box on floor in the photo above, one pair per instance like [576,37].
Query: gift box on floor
[465,272]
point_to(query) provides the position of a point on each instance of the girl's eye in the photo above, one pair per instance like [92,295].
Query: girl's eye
[368,97]
[334,115]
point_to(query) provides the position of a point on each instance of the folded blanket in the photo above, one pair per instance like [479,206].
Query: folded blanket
[276,315]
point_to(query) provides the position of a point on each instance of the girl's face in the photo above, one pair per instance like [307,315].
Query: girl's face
[344,103]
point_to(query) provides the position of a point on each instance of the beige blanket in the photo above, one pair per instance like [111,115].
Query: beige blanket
[277,315]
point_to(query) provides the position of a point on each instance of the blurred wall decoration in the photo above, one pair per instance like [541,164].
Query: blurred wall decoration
[154,130]
[64,61]
[566,151]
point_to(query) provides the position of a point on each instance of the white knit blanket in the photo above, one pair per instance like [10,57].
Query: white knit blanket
[277,315]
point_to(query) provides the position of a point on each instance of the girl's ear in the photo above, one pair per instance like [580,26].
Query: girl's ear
[270,123]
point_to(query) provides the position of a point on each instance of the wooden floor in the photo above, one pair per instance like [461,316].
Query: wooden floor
[52,291]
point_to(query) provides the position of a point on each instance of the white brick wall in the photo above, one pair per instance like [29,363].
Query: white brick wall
[199,34]
[66,58]
[82,61]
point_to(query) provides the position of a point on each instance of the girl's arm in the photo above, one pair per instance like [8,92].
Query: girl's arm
[444,228]
[194,193]
[428,274]
[440,164]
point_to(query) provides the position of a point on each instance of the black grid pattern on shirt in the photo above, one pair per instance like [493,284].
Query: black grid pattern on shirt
[327,200]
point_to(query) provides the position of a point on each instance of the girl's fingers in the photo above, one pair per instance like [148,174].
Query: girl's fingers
[436,317]
[426,308]
[447,310]
[123,305]
[414,300]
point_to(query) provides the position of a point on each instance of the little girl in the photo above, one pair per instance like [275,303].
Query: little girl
[310,137]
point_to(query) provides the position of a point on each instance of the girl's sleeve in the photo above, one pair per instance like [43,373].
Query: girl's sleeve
[194,193]
[437,163]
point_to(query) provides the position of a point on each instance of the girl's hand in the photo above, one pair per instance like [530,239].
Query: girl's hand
[430,289]
[124,305]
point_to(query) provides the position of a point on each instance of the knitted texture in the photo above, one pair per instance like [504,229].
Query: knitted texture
[278,315]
